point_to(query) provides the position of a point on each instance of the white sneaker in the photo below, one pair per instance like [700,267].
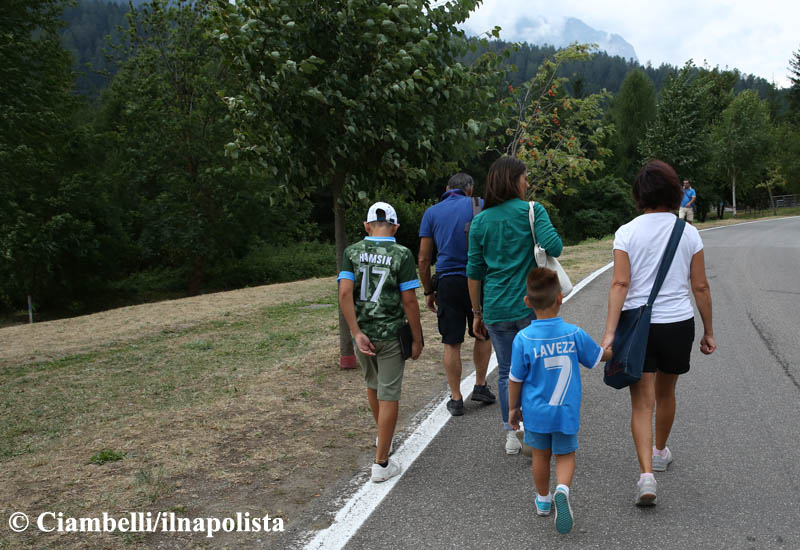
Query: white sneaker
[647,491]
[513,445]
[660,463]
[391,445]
[380,473]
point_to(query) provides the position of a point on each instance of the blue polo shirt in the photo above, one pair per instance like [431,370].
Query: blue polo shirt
[687,196]
[444,222]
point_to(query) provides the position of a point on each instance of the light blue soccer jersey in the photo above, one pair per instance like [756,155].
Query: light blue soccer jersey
[545,357]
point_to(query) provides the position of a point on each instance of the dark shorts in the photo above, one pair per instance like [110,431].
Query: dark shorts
[669,346]
[454,309]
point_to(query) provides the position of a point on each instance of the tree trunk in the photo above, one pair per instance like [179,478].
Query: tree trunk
[733,185]
[30,309]
[347,358]
[772,201]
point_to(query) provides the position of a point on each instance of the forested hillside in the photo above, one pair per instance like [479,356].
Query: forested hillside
[189,167]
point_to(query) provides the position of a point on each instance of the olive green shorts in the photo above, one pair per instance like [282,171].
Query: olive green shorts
[384,370]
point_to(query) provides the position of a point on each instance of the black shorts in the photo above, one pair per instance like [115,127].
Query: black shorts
[454,309]
[669,346]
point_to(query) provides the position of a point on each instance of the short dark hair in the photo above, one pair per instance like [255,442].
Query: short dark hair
[461,181]
[380,223]
[657,186]
[501,181]
[543,287]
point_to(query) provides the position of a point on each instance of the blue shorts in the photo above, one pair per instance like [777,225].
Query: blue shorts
[559,443]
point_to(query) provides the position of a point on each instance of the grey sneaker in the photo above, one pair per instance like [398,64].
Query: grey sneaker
[647,492]
[380,473]
[660,463]
[564,519]
[483,394]
[456,407]
[513,445]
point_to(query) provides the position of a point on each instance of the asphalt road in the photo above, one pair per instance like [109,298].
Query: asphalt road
[735,482]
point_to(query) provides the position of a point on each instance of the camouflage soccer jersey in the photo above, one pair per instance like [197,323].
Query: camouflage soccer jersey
[381,269]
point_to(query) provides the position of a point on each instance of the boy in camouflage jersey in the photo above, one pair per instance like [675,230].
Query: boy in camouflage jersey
[377,293]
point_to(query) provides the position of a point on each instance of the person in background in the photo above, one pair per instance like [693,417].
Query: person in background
[443,228]
[499,260]
[377,295]
[686,210]
[545,373]
[638,248]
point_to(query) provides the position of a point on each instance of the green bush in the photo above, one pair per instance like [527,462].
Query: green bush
[268,263]
[596,210]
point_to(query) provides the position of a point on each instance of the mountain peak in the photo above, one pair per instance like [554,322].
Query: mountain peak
[562,31]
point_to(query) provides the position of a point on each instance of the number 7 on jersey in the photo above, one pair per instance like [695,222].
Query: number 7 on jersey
[564,364]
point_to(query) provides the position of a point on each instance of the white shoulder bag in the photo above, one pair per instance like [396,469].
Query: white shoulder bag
[543,260]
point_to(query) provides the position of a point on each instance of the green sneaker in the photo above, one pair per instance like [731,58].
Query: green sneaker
[564,519]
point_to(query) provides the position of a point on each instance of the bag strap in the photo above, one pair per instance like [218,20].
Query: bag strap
[532,220]
[666,259]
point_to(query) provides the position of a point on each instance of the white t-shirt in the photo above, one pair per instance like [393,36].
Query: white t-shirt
[644,239]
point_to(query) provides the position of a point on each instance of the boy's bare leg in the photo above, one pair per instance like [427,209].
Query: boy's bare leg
[385,414]
[565,469]
[665,406]
[540,466]
[387,420]
[452,367]
[643,400]
[372,395]
[480,355]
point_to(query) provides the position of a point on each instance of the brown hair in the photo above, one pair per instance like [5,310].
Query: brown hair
[657,186]
[543,287]
[501,181]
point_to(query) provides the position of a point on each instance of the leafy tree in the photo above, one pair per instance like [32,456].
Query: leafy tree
[787,154]
[633,109]
[742,141]
[354,95]
[560,138]
[187,206]
[678,134]
[37,230]
[794,78]
[597,209]
[89,24]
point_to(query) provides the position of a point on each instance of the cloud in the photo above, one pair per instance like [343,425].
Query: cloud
[755,37]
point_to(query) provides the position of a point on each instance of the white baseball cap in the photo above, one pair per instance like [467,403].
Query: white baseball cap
[382,212]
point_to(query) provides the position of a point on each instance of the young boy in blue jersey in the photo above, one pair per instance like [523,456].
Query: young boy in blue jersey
[545,373]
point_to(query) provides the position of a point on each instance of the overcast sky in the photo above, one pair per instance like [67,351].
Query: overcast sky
[757,37]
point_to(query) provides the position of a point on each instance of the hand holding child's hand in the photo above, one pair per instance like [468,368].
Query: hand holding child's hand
[514,417]
[608,341]
[364,345]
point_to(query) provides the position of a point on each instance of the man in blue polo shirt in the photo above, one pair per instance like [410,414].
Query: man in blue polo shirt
[686,211]
[444,227]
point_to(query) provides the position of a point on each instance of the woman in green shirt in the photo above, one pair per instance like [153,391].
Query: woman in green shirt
[500,258]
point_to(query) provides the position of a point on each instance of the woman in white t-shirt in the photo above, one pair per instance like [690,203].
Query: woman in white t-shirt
[638,248]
